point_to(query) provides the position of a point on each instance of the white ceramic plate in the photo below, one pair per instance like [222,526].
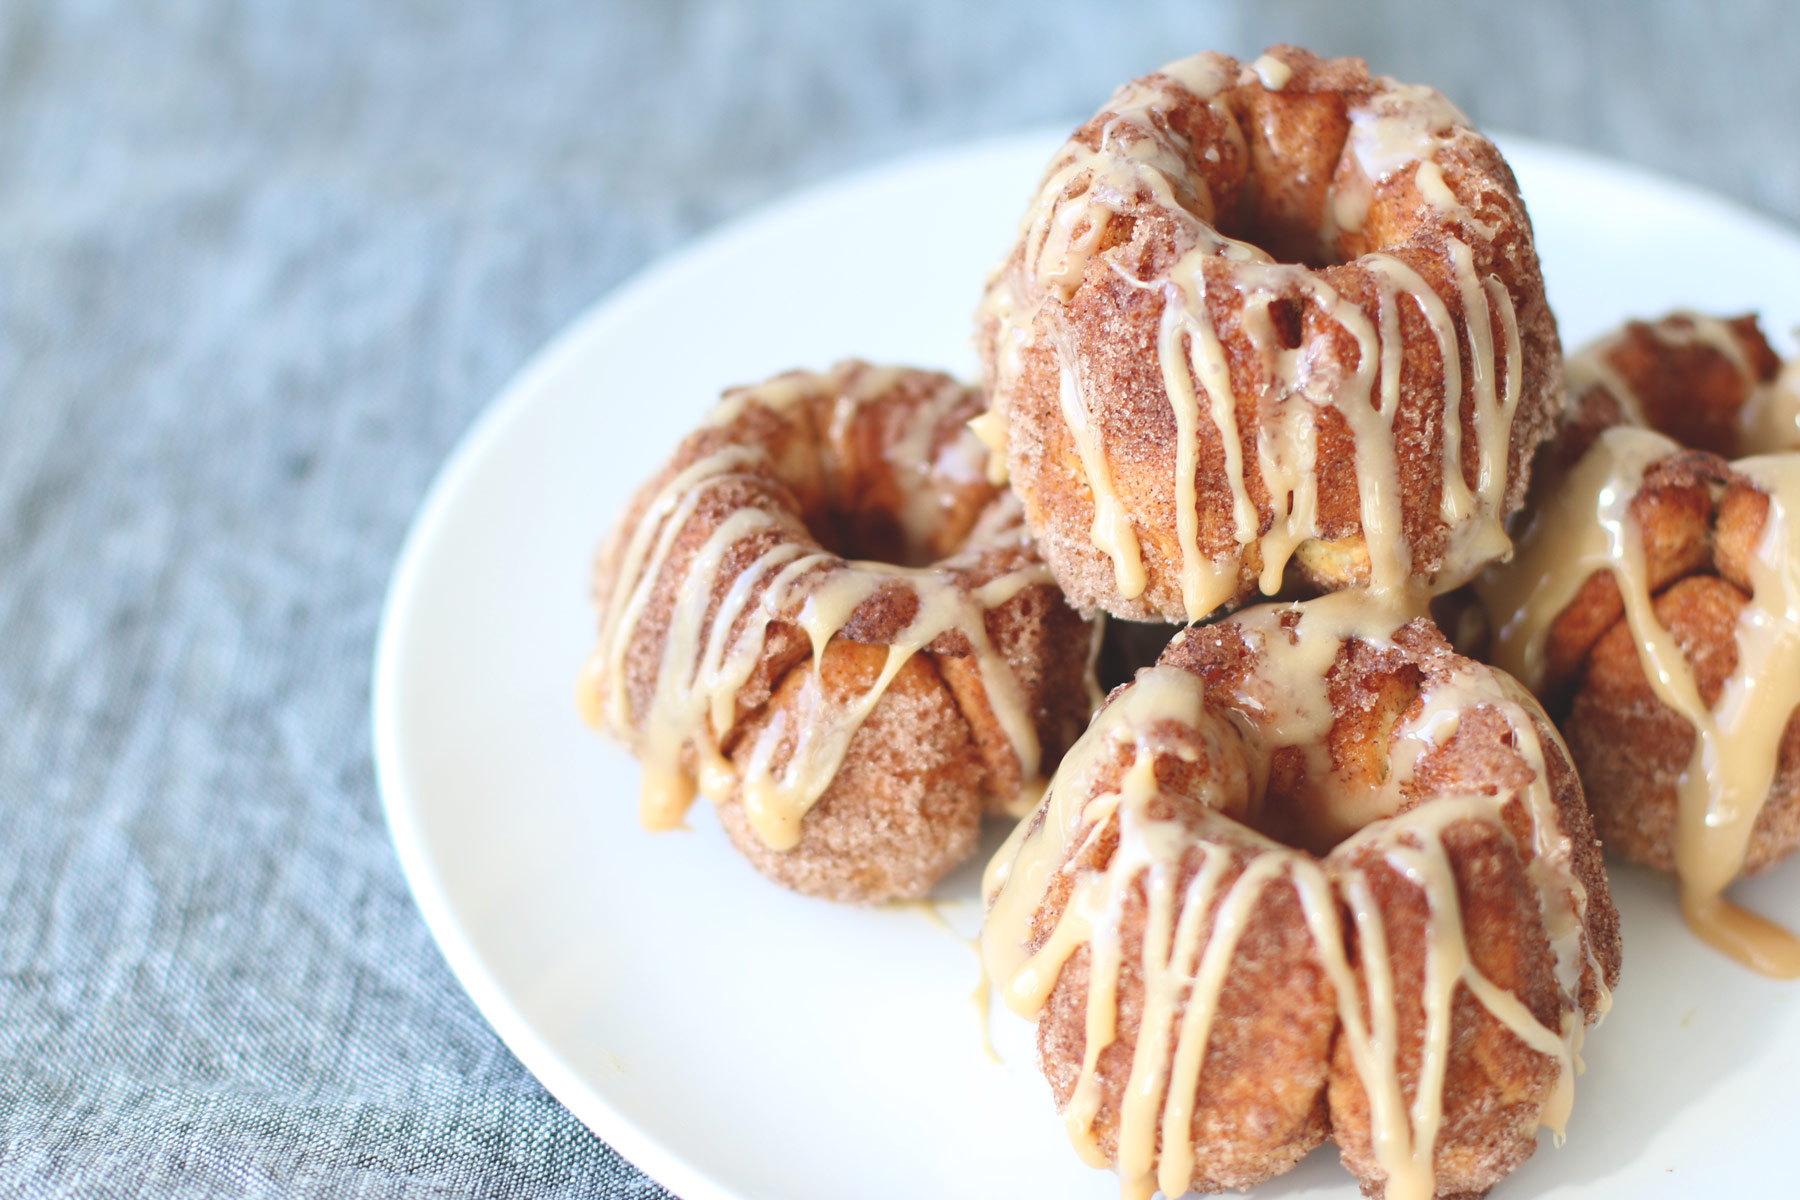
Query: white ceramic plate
[741,1043]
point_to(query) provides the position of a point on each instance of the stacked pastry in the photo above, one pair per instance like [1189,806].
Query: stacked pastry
[1270,330]
[1279,328]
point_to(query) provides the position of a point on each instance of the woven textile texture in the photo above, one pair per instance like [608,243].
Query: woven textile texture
[260,265]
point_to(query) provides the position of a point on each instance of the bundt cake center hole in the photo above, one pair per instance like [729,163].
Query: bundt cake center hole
[1287,241]
[1290,229]
[1318,815]
[881,525]
[1315,799]
[870,535]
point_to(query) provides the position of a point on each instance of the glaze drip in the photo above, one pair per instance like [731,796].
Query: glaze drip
[1194,918]
[1587,524]
[719,559]
[1249,408]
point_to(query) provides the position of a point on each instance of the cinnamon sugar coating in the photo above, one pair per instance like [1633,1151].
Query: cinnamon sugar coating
[1700,520]
[1685,374]
[1462,812]
[1246,322]
[1674,507]
[851,719]
[1710,384]
[1632,748]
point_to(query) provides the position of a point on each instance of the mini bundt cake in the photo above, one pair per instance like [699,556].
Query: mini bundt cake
[1313,875]
[1268,314]
[1711,383]
[1654,605]
[822,616]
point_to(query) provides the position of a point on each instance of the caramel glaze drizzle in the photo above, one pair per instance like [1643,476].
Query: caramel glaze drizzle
[1186,956]
[1143,159]
[1586,525]
[715,636]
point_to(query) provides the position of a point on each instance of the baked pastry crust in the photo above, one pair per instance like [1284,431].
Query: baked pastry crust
[1704,381]
[1654,605]
[1314,875]
[1269,314]
[765,641]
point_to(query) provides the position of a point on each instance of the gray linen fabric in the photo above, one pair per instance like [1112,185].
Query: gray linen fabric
[260,264]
